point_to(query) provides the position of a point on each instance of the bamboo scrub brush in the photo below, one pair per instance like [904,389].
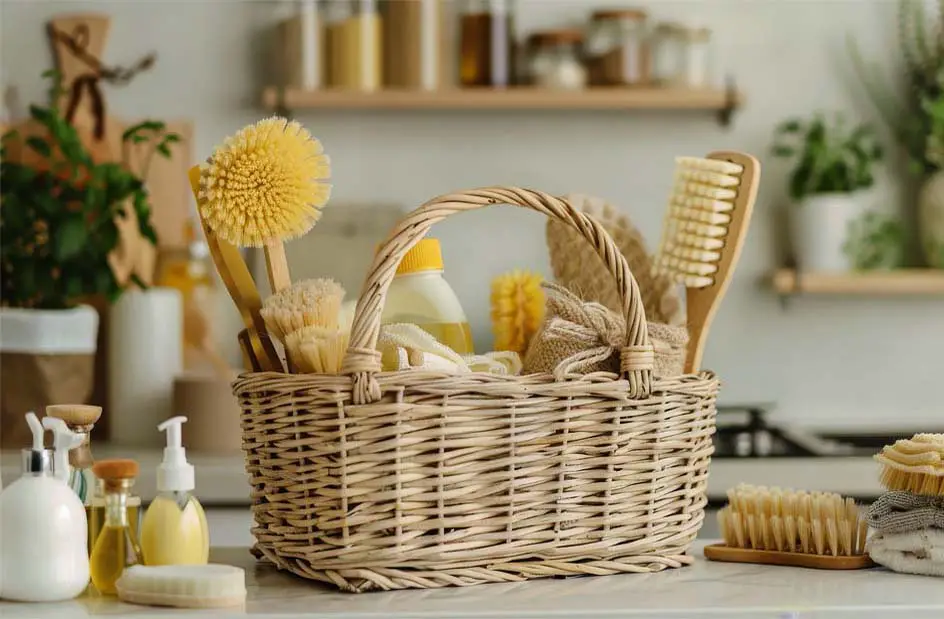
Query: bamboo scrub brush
[263,186]
[792,528]
[305,318]
[707,220]
[914,465]
[317,349]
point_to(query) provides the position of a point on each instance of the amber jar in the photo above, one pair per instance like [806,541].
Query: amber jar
[486,43]
[617,48]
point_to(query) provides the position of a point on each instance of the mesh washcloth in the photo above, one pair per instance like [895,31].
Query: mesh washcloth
[577,267]
[900,512]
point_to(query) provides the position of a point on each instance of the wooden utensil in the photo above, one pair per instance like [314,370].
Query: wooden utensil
[235,275]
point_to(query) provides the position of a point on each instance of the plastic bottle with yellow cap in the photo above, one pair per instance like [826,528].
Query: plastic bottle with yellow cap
[419,294]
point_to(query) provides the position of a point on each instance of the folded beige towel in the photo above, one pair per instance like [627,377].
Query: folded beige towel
[901,512]
[916,552]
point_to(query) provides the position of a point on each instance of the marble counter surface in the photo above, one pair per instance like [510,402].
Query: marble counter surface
[706,589]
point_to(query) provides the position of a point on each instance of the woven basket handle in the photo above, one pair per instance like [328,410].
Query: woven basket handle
[362,360]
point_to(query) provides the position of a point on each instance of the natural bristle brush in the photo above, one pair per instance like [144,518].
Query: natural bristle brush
[263,186]
[793,528]
[914,465]
[705,226]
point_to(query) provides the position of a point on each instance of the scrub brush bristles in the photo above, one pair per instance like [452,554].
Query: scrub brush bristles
[697,220]
[517,309]
[914,465]
[771,519]
[310,302]
[265,183]
[318,350]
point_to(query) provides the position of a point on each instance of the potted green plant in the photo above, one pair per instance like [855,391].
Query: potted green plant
[59,226]
[830,187]
[917,118]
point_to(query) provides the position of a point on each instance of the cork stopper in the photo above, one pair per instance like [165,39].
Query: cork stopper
[115,474]
[75,414]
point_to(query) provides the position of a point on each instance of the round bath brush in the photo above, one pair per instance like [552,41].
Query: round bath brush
[265,185]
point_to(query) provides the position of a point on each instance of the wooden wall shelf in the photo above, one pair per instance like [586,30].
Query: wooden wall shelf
[721,101]
[901,282]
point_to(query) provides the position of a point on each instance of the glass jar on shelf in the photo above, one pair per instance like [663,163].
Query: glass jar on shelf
[697,58]
[354,44]
[554,61]
[670,43]
[617,49]
[486,43]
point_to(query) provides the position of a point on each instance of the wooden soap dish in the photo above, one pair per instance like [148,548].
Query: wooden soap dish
[720,552]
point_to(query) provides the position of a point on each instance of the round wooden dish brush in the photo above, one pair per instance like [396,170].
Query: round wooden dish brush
[265,185]
[914,465]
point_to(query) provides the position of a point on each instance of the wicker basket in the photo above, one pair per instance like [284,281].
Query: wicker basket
[390,480]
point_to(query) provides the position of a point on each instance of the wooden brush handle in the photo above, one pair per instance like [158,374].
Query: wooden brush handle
[362,360]
[241,287]
[702,303]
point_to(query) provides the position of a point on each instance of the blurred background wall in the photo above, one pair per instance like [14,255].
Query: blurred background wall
[826,362]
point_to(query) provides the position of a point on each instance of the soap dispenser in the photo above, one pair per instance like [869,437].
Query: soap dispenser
[174,530]
[43,526]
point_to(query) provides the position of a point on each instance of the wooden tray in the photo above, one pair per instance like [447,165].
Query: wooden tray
[720,552]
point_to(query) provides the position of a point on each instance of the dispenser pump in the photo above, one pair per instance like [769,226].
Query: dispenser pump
[174,474]
[64,441]
[38,460]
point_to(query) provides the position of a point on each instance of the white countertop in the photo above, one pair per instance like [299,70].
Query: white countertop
[702,590]
[222,480]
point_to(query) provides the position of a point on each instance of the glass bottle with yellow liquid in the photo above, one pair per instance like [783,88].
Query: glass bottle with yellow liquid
[419,294]
[116,547]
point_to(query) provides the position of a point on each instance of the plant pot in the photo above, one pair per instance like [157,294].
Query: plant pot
[46,357]
[931,220]
[821,226]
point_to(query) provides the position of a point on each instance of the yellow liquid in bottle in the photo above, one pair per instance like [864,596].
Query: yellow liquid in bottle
[114,550]
[175,535]
[455,335]
[95,514]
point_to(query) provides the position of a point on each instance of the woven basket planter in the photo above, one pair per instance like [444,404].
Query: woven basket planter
[390,480]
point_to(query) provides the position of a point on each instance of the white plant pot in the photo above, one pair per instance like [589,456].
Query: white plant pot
[820,227]
[931,220]
[46,357]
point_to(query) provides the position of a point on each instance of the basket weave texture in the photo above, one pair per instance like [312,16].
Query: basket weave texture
[389,480]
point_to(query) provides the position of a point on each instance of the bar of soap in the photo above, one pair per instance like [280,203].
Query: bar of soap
[183,586]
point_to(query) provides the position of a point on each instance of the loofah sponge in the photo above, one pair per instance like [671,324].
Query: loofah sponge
[517,310]
[577,267]
[265,183]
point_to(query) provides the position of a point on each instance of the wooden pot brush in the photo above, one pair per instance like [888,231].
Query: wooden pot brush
[707,220]
[263,186]
[791,528]
[914,465]
[296,310]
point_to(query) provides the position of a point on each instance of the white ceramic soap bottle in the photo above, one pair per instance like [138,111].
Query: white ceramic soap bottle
[43,526]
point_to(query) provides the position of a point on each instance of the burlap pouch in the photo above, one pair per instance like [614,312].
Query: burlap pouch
[582,338]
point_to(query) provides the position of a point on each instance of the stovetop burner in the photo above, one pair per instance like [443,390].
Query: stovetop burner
[745,432]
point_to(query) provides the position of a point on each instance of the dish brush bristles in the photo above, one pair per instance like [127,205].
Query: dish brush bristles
[310,302]
[914,465]
[265,182]
[517,310]
[697,220]
[318,350]
[820,523]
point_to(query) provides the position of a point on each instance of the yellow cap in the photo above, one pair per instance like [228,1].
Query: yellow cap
[425,256]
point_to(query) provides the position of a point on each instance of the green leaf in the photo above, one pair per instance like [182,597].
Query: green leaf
[39,145]
[790,126]
[70,238]
[164,150]
[781,150]
[41,115]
